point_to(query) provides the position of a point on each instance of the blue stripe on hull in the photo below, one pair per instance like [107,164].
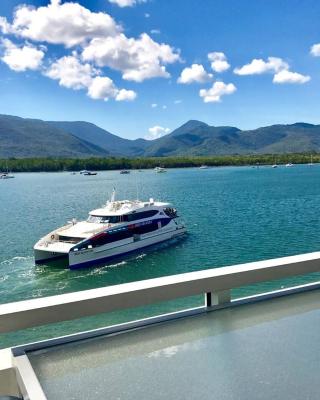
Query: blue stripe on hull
[117,256]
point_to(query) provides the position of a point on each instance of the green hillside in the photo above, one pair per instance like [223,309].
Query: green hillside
[21,137]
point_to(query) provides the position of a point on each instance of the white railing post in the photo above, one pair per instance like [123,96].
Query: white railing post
[218,298]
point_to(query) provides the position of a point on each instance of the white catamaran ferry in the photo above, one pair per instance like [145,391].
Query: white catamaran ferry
[118,228]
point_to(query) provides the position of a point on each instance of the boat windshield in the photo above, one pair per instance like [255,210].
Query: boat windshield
[97,219]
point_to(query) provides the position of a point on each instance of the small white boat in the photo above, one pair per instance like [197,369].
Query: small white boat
[115,229]
[89,173]
[83,171]
[203,167]
[274,166]
[289,165]
[6,175]
[160,170]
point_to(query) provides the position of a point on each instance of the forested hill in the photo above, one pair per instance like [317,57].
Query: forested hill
[21,138]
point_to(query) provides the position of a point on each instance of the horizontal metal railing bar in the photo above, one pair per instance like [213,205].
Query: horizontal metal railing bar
[159,319]
[41,311]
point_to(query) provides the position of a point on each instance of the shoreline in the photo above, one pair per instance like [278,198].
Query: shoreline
[115,164]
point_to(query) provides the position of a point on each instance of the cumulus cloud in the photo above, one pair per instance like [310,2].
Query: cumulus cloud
[259,66]
[68,23]
[125,95]
[286,76]
[275,65]
[137,59]
[126,3]
[71,73]
[102,88]
[22,58]
[154,105]
[195,73]
[315,49]
[217,90]
[156,132]
[100,38]
[219,61]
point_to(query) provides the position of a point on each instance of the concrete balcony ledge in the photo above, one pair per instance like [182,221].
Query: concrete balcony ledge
[8,379]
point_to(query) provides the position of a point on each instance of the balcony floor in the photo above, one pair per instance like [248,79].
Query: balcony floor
[267,350]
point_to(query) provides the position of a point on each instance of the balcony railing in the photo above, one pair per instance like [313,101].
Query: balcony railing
[215,284]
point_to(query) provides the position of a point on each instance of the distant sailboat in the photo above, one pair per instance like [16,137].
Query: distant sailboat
[6,175]
[311,160]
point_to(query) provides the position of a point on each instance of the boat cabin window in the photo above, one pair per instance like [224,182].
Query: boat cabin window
[111,219]
[170,212]
[140,215]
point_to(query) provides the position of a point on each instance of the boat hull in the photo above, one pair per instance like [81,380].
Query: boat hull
[44,256]
[90,257]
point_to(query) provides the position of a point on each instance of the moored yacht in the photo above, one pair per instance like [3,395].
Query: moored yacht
[160,170]
[117,228]
[6,175]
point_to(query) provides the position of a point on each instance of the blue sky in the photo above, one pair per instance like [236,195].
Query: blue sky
[141,67]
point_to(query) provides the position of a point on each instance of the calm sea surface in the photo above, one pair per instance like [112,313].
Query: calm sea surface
[233,215]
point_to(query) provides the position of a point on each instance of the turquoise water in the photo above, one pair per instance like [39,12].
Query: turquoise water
[233,215]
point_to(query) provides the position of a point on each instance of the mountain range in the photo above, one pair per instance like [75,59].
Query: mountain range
[23,137]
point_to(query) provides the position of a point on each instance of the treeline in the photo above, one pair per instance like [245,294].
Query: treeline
[112,163]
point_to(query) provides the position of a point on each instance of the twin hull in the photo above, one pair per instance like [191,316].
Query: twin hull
[87,257]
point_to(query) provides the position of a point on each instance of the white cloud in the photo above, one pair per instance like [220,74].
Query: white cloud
[164,107]
[102,88]
[177,101]
[259,66]
[68,23]
[126,95]
[195,73]
[71,73]
[219,61]
[22,58]
[137,59]
[126,3]
[4,25]
[155,31]
[315,49]
[156,132]
[147,15]
[274,65]
[286,76]
[217,90]
[154,105]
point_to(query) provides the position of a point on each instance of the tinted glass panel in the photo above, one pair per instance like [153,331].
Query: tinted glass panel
[140,215]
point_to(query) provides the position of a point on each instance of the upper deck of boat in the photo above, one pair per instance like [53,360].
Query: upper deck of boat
[126,207]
